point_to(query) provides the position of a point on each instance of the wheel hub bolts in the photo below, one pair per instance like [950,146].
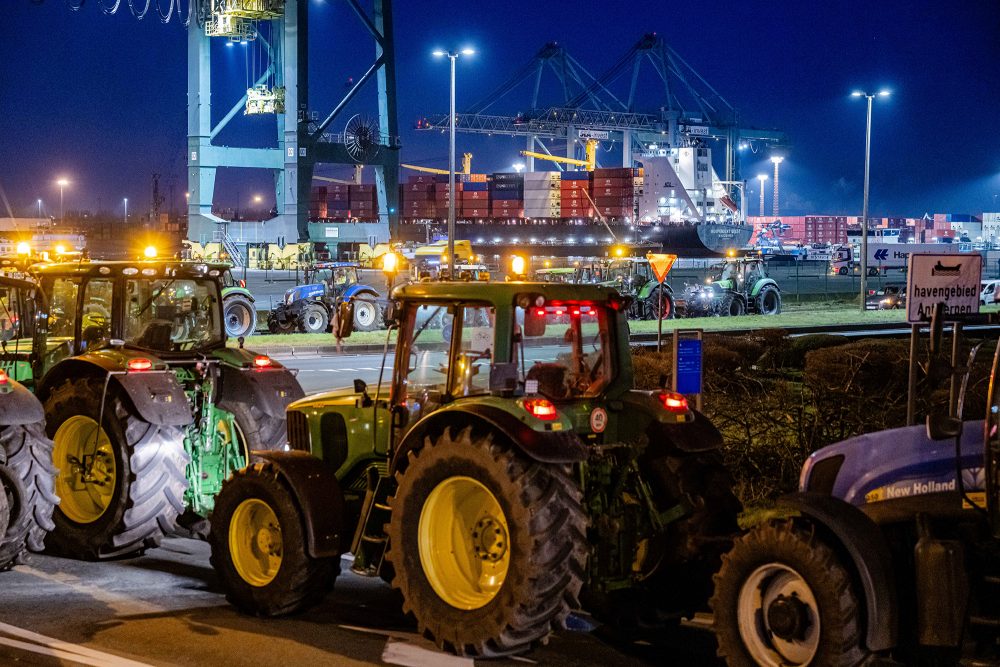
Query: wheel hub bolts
[788,618]
[489,539]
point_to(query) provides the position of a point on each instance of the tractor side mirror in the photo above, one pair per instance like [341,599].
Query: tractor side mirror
[345,319]
[943,427]
[534,322]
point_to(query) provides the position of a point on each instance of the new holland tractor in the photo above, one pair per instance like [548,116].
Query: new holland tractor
[890,551]
[739,285]
[504,475]
[27,491]
[148,409]
[309,308]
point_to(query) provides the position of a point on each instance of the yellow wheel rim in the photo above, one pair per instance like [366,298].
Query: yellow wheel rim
[255,542]
[84,456]
[464,543]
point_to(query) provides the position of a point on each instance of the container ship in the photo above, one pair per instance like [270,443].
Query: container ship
[562,213]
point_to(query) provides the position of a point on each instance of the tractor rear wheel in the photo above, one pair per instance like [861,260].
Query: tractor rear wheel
[769,301]
[28,481]
[652,305]
[488,547]
[239,315]
[314,319]
[121,483]
[367,314]
[4,509]
[731,305]
[784,598]
[259,546]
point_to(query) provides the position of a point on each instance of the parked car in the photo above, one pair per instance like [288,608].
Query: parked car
[990,292]
[889,297]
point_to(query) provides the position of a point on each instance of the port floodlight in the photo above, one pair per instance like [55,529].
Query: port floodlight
[518,265]
[857,93]
[23,248]
[150,252]
[60,249]
[62,182]
[762,177]
[777,159]
[389,262]
[468,51]
[438,53]
[884,93]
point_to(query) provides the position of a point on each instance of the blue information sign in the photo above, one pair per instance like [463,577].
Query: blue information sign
[689,366]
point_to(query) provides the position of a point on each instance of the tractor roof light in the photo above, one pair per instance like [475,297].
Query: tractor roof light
[150,252]
[541,408]
[673,402]
[139,364]
[23,248]
[262,361]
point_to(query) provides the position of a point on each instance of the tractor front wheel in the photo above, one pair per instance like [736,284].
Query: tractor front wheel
[259,548]
[652,305]
[783,598]
[239,315]
[27,478]
[314,319]
[120,483]
[488,547]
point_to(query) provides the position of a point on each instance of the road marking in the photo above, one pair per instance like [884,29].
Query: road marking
[55,648]
[411,655]
[122,605]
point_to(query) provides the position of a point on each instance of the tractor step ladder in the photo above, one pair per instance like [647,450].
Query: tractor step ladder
[230,248]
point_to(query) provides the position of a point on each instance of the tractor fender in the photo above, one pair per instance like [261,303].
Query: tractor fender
[761,284]
[697,435]
[270,389]
[317,494]
[157,396]
[19,406]
[859,538]
[647,290]
[545,447]
[237,291]
[359,290]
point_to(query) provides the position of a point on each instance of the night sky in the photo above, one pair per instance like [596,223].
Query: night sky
[101,99]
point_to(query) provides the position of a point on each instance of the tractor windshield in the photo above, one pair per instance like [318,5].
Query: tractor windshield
[567,349]
[173,314]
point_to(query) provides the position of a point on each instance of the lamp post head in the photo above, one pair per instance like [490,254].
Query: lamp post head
[857,93]
[762,177]
[777,159]
[468,51]
[438,53]
[884,93]
[62,182]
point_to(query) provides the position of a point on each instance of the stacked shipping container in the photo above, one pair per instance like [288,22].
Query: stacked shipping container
[317,203]
[542,195]
[574,191]
[338,203]
[475,197]
[615,191]
[507,196]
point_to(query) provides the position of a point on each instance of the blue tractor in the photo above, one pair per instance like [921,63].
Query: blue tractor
[890,551]
[309,308]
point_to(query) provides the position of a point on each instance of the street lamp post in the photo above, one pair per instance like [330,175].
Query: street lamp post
[864,206]
[62,183]
[39,208]
[762,178]
[452,56]
[777,160]
[126,210]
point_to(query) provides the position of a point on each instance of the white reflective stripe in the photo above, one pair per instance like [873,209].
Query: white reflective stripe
[411,655]
[55,648]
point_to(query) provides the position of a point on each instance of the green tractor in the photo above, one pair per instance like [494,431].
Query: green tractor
[739,285]
[501,477]
[148,409]
[27,476]
[632,277]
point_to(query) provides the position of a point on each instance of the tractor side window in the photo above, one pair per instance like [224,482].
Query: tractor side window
[95,313]
[62,313]
[475,353]
[424,338]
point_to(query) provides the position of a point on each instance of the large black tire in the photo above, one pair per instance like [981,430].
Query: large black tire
[651,309]
[28,480]
[769,301]
[240,316]
[842,271]
[367,314]
[544,541]
[299,581]
[259,431]
[281,324]
[149,481]
[789,564]
[4,510]
[314,319]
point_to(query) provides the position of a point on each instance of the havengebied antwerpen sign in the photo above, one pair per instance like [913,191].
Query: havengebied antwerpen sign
[951,279]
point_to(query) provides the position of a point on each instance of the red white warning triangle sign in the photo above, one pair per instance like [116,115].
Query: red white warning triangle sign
[661,264]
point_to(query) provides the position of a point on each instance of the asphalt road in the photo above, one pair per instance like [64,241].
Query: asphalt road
[166,608]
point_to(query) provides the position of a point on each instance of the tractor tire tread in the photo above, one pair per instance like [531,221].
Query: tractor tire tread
[26,456]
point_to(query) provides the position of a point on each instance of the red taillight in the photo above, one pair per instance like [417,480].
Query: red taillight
[541,408]
[673,402]
[262,361]
[541,312]
[3,377]
[139,364]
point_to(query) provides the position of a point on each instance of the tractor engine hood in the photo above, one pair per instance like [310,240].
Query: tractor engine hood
[303,292]
[893,464]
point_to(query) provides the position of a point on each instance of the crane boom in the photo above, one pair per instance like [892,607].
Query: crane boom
[466,167]
[589,164]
